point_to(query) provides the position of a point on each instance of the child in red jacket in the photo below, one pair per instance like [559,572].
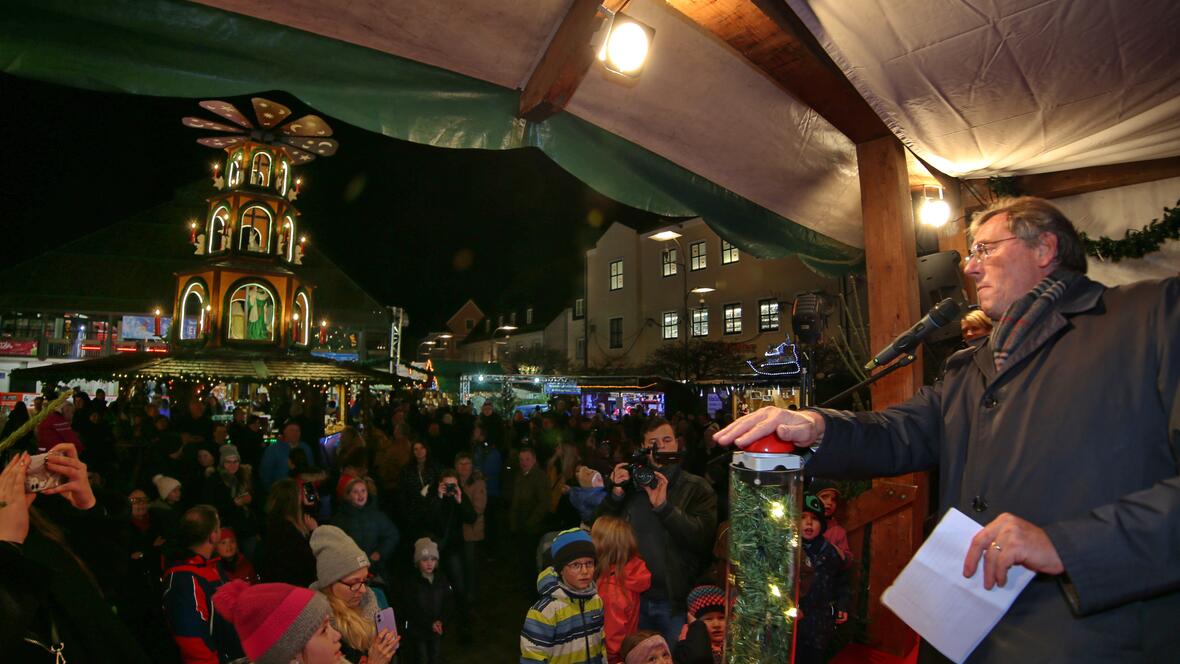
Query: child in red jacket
[622,577]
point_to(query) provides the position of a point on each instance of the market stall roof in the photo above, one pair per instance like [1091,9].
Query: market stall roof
[223,365]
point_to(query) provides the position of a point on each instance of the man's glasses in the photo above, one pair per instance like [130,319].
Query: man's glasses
[138,501]
[581,566]
[983,250]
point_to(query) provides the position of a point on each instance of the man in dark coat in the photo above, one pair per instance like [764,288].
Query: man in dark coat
[675,522]
[1060,435]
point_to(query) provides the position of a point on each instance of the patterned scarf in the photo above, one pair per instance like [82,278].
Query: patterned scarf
[1025,314]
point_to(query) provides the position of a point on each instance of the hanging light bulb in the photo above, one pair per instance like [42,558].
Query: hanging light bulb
[933,211]
[627,45]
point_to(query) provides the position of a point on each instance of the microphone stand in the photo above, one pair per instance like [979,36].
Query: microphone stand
[890,368]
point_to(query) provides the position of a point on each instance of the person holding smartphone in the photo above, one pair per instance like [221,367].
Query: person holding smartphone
[342,573]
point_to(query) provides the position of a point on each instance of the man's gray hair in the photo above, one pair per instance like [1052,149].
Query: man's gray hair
[1028,218]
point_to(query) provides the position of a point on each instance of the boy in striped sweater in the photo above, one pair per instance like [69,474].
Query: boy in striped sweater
[565,625]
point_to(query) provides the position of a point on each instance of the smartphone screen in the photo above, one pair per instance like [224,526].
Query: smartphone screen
[385,621]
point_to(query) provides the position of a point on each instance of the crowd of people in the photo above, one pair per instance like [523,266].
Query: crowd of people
[177,528]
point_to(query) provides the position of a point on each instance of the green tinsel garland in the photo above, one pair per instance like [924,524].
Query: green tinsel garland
[763,572]
[1137,243]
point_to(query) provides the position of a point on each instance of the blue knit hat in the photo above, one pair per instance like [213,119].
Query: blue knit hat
[569,545]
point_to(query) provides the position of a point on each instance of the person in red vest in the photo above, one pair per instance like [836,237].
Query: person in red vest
[202,636]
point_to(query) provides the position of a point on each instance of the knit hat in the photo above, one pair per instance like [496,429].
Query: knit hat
[336,556]
[273,620]
[705,598]
[228,533]
[812,504]
[644,650]
[165,485]
[818,486]
[569,545]
[227,451]
[425,548]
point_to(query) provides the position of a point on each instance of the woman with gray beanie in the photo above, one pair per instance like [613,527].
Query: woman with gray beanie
[342,572]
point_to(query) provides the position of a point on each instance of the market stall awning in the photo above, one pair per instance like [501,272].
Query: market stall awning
[221,365]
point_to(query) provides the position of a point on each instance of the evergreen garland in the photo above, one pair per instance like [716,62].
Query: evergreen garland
[1137,243]
[1134,243]
[764,550]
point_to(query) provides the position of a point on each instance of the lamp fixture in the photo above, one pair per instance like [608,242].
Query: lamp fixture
[627,44]
[666,236]
[933,210]
[701,290]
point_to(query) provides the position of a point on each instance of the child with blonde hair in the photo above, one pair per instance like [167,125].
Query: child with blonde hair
[622,577]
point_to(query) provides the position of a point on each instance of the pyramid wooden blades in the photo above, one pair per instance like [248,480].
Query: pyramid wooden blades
[324,147]
[221,141]
[298,156]
[227,111]
[198,123]
[308,125]
[269,113]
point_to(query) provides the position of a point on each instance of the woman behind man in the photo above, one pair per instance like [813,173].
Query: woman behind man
[285,555]
[342,572]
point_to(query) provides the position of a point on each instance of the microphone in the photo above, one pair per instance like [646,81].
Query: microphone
[941,314]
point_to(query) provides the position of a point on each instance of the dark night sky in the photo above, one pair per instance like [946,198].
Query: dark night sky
[416,226]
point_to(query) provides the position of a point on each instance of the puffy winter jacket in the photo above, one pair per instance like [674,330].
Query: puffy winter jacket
[564,626]
[620,598]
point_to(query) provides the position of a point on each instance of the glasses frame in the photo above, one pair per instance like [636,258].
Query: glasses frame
[582,566]
[353,587]
[981,251]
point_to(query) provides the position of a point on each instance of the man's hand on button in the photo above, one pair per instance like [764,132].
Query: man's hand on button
[800,427]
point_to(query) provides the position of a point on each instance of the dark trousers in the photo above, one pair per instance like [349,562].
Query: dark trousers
[427,649]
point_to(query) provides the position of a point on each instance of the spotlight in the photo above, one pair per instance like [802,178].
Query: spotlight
[933,211]
[627,44]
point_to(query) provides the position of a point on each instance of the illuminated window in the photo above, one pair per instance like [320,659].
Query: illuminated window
[580,348]
[616,275]
[671,325]
[528,316]
[235,169]
[733,318]
[260,170]
[283,178]
[580,307]
[255,233]
[616,333]
[700,322]
[218,236]
[669,262]
[767,315]
[729,253]
[193,317]
[302,325]
[252,313]
[696,253]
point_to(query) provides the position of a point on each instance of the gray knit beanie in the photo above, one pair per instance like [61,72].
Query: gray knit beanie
[227,451]
[336,556]
[425,548]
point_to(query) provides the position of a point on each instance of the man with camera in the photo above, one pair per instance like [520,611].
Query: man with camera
[448,508]
[674,515]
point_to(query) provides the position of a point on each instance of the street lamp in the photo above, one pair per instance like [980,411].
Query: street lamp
[508,330]
[674,237]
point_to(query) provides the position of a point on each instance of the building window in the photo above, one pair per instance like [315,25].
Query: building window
[469,324]
[729,253]
[512,318]
[252,313]
[767,315]
[580,348]
[260,170]
[671,325]
[700,322]
[616,275]
[669,259]
[696,253]
[733,318]
[616,333]
[500,320]
[579,307]
[528,316]
[255,233]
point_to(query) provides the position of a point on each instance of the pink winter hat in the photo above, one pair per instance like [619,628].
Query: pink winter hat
[273,620]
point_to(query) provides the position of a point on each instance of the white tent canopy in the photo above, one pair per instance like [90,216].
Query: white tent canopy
[974,87]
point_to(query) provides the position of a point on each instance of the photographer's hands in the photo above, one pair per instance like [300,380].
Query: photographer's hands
[659,495]
[63,460]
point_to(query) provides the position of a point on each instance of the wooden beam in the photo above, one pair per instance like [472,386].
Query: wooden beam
[892,268]
[1093,178]
[565,62]
[771,37]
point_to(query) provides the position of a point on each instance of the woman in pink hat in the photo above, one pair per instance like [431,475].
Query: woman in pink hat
[279,623]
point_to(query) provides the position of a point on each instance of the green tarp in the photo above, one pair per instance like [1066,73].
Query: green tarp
[174,48]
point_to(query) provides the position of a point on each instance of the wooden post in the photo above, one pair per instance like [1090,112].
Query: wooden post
[891,263]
